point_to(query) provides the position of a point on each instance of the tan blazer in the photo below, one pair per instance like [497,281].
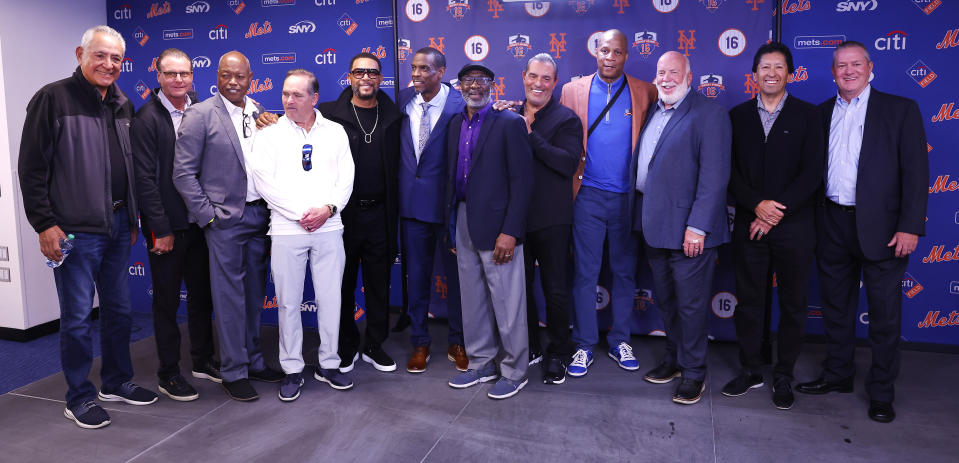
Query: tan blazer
[575,96]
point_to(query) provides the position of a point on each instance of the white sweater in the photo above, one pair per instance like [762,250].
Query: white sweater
[289,190]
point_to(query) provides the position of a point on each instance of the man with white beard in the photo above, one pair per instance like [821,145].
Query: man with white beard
[681,168]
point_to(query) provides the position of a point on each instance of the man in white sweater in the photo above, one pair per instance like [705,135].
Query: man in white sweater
[303,168]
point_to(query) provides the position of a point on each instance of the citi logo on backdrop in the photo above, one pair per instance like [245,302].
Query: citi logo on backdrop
[126,65]
[124,12]
[927,6]
[219,32]
[140,36]
[137,269]
[895,40]
[327,56]
[921,74]
[236,5]
[198,7]
[910,287]
[347,24]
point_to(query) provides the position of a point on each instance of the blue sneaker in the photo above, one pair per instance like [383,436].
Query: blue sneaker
[472,376]
[128,392]
[582,359]
[506,388]
[290,388]
[623,355]
[334,378]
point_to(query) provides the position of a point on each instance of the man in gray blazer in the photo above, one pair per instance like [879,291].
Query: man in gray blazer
[681,170]
[210,170]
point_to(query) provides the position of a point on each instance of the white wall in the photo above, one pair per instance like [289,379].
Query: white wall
[37,42]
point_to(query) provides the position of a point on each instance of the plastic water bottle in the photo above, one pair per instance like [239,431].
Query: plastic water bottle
[66,246]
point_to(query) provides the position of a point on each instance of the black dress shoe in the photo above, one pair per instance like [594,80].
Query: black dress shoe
[267,375]
[821,386]
[881,411]
[555,370]
[783,397]
[689,391]
[742,384]
[662,374]
[241,390]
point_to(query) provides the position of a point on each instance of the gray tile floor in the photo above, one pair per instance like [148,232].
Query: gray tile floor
[608,416]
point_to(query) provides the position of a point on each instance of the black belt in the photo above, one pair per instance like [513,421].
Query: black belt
[368,203]
[258,202]
[841,207]
[118,204]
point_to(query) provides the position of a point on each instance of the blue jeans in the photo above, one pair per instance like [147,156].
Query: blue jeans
[600,216]
[101,261]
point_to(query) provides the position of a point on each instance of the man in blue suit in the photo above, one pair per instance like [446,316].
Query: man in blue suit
[429,104]
[680,170]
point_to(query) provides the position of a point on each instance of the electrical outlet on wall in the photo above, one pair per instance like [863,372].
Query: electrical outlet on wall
[4,253]
[4,274]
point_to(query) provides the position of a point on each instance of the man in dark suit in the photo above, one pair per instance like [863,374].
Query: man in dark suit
[488,191]
[429,104]
[777,161]
[178,250]
[680,171]
[872,215]
[210,172]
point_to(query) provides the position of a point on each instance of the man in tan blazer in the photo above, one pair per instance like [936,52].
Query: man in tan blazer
[614,106]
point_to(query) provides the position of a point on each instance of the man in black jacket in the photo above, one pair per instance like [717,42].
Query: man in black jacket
[76,175]
[370,218]
[777,162]
[177,248]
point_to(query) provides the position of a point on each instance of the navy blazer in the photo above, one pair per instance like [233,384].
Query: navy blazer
[499,183]
[422,186]
[892,181]
[688,176]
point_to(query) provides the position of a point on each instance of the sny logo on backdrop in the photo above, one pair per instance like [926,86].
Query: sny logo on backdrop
[946,113]
[645,42]
[518,46]
[403,49]
[858,5]
[936,254]
[347,24]
[278,58]
[895,40]
[177,34]
[581,6]
[236,5]
[557,45]
[498,89]
[927,6]
[621,4]
[303,27]
[687,43]
[921,74]
[126,65]
[257,30]
[437,43]
[795,6]
[124,12]
[910,287]
[198,7]
[219,32]
[711,85]
[942,185]
[157,10]
[495,7]
[379,53]
[950,40]
[327,56]
[201,62]
[712,5]
[755,4]
[458,8]
[140,36]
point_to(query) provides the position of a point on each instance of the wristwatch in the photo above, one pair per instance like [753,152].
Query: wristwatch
[332,209]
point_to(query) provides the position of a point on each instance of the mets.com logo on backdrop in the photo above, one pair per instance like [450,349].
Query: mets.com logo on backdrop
[177,34]
[818,41]
[279,58]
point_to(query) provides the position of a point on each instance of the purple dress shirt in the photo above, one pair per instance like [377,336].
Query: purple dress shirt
[469,134]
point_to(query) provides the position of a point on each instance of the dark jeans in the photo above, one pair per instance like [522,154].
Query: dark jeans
[189,261]
[549,247]
[365,241]
[419,249]
[98,261]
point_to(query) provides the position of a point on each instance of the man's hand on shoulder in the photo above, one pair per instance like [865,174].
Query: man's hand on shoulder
[266,119]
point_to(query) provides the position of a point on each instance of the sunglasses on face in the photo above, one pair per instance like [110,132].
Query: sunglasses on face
[482,80]
[307,157]
[360,72]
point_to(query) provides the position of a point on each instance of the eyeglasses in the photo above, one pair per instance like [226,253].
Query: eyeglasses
[307,157]
[174,74]
[360,72]
[481,80]
[247,129]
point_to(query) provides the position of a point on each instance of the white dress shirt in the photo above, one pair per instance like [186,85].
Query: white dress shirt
[414,109]
[175,114]
[288,188]
[246,143]
[845,142]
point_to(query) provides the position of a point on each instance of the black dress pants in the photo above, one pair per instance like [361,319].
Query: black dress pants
[366,243]
[550,247]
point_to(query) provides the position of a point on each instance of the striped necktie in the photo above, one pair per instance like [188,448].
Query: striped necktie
[424,125]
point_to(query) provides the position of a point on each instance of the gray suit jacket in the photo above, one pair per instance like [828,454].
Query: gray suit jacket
[208,165]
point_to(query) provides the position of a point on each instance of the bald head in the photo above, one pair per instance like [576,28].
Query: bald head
[234,56]
[611,52]
[675,58]
[673,77]
[614,34]
[233,77]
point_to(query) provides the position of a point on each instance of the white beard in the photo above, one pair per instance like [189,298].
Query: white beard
[678,93]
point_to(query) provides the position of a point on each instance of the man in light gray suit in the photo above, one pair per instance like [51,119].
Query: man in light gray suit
[210,170]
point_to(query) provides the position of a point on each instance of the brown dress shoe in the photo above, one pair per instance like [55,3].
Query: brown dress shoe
[457,354]
[417,363]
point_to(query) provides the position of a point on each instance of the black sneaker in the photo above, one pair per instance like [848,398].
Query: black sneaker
[376,356]
[662,374]
[783,397]
[347,362]
[177,388]
[535,357]
[689,391]
[290,388]
[555,370]
[88,415]
[128,392]
[241,390]
[332,376]
[209,370]
[267,375]
[742,384]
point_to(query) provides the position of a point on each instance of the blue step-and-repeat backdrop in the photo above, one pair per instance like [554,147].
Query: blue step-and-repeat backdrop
[914,45]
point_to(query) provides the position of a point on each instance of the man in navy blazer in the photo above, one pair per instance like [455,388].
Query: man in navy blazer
[488,190]
[429,104]
[870,220]
[680,170]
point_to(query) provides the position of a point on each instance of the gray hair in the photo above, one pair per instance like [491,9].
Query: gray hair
[850,44]
[88,37]
[544,58]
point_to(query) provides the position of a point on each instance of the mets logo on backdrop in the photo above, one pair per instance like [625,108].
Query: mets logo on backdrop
[380,51]
[557,45]
[498,89]
[140,36]
[153,65]
[755,4]
[157,9]
[921,74]
[795,6]
[581,6]
[950,40]
[946,114]
[236,5]
[437,43]
[403,49]
[347,24]
[495,7]
[799,75]
[712,5]
[686,43]
[711,85]
[458,8]
[257,30]
[927,6]
[257,87]
[620,5]
[645,42]
[518,46]
[752,87]
[910,287]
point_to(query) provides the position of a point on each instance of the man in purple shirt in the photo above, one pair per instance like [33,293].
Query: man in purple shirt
[489,189]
